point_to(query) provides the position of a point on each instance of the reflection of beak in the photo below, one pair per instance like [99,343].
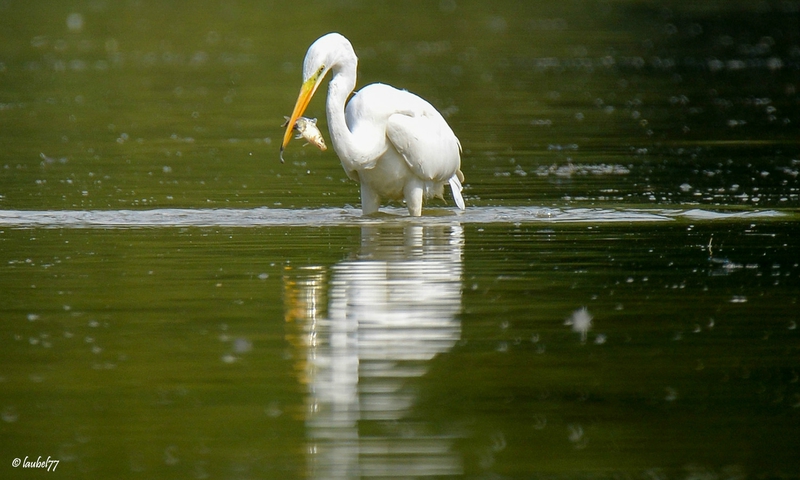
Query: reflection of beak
[306,92]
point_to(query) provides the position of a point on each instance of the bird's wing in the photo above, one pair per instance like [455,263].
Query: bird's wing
[426,142]
[455,187]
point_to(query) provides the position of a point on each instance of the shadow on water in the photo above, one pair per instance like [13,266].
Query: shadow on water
[360,331]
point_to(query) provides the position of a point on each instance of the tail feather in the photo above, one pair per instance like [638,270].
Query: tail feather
[455,186]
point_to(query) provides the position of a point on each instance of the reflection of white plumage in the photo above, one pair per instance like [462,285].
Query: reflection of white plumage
[394,143]
[390,310]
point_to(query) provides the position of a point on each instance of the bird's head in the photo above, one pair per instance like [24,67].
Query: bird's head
[327,52]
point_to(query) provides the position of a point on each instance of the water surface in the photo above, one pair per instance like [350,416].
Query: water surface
[618,300]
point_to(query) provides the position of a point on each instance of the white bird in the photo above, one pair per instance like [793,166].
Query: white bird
[394,143]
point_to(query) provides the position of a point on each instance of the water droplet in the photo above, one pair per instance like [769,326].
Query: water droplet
[75,22]
[497,24]
[170,456]
[671,395]
[581,322]
[498,442]
[229,358]
[9,414]
[242,345]
[539,422]
[576,436]
[273,410]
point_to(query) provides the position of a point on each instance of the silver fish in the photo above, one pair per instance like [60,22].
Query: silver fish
[307,128]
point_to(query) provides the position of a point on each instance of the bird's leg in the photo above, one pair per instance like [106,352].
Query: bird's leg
[413,195]
[370,201]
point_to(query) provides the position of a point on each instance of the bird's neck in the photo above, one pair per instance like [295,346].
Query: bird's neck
[339,89]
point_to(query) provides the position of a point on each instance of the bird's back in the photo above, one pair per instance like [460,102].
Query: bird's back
[406,148]
[411,125]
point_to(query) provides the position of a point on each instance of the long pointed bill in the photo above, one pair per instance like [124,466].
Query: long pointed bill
[306,92]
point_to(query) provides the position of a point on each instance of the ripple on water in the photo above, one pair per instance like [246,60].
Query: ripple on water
[348,216]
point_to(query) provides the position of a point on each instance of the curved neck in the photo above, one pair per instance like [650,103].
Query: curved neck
[339,89]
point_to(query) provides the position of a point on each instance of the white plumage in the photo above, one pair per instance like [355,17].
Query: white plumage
[394,143]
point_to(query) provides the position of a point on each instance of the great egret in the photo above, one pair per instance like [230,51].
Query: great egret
[394,143]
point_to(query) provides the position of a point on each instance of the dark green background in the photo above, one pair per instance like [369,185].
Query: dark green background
[116,343]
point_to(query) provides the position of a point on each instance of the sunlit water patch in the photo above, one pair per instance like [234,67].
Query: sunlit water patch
[348,216]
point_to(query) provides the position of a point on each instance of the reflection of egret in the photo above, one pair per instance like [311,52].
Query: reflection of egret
[394,143]
[389,312]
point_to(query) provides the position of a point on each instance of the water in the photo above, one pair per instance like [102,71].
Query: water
[619,299]
[339,217]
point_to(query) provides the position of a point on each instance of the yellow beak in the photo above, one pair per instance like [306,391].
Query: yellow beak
[306,92]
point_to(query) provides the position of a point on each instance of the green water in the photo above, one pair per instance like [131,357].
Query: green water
[619,300]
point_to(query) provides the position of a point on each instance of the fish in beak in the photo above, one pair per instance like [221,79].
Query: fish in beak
[306,92]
